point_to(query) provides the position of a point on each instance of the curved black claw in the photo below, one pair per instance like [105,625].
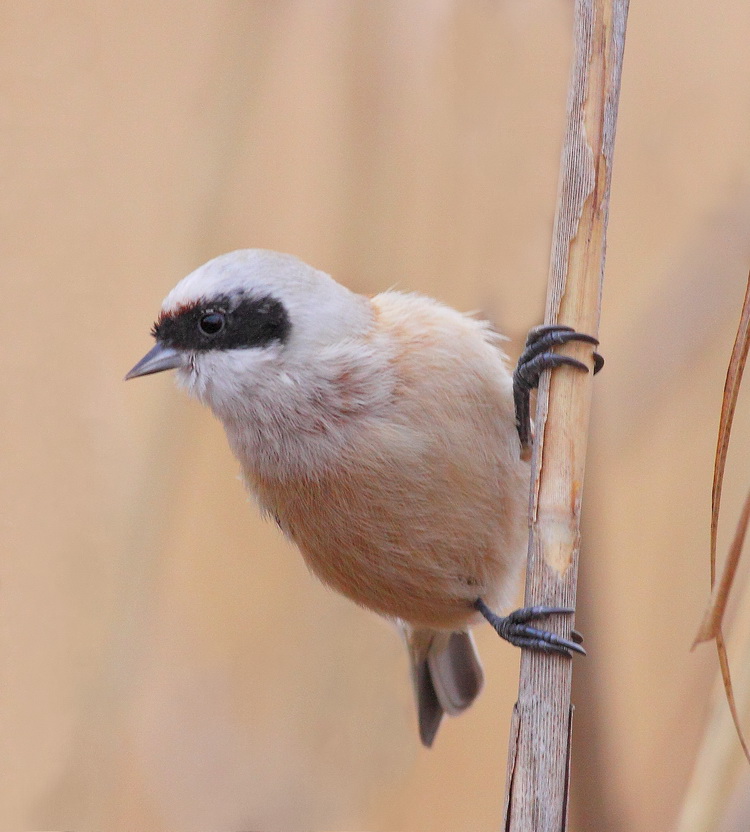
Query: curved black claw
[515,629]
[537,357]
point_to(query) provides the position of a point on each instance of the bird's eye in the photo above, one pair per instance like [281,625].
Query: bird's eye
[212,323]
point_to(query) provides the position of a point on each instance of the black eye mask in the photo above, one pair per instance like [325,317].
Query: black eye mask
[224,323]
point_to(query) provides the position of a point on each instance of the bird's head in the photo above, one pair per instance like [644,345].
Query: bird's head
[249,320]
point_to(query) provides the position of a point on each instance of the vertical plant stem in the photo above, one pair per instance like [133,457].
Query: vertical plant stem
[539,755]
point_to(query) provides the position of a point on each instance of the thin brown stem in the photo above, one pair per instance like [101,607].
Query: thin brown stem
[538,765]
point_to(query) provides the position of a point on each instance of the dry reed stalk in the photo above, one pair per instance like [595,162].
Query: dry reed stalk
[711,625]
[720,757]
[539,759]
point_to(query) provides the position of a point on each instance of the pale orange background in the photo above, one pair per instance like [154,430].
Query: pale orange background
[166,661]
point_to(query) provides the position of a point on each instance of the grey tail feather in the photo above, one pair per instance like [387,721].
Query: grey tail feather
[447,676]
[429,710]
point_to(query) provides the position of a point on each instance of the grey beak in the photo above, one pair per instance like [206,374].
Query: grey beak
[158,359]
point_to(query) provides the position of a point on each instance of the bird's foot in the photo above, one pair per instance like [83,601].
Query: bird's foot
[515,629]
[536,357]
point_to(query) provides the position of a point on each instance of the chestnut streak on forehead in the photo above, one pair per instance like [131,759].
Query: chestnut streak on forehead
[249,322]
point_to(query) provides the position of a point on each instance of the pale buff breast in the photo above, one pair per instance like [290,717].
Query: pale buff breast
[425,509]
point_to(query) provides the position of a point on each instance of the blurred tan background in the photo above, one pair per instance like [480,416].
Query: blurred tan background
[166,661]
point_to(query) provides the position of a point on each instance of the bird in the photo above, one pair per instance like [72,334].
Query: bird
[386,436]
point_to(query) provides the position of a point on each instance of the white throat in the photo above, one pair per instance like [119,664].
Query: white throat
[291,413]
